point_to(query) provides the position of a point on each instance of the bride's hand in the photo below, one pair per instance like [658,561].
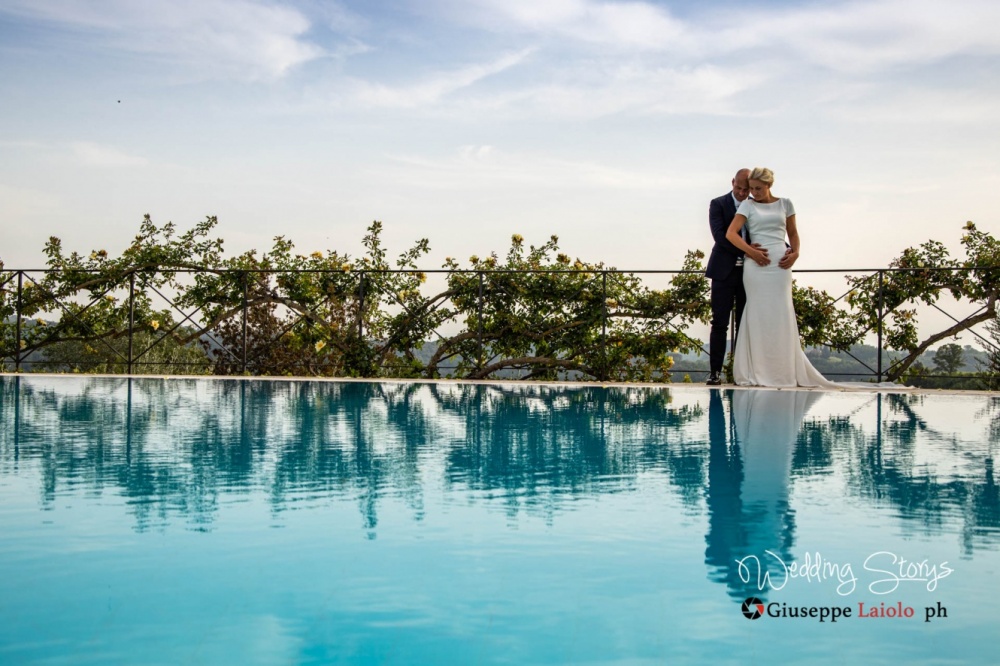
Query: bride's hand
[789,259]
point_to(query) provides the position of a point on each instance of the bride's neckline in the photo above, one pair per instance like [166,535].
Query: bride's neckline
[767,203]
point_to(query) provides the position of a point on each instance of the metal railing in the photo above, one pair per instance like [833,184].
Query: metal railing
[233,344]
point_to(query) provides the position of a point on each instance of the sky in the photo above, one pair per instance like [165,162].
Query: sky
[611,124]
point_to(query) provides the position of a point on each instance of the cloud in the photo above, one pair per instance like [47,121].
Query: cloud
[618,24]
[882,34]
[97,155]
[433,88]
[705,89]
[486,167]
[839,35]
[595,57]
[241,38]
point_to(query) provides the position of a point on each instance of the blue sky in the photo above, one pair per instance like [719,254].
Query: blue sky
[611,124]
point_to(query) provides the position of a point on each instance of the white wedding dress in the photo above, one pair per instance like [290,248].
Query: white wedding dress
[768,349]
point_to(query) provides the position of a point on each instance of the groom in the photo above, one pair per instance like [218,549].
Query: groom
[725,270]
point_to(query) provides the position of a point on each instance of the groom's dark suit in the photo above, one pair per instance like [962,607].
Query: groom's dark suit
[726,277]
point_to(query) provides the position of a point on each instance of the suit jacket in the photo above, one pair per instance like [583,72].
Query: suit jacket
[722,261]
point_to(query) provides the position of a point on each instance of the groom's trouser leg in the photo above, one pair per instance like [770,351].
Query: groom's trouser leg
[724,296]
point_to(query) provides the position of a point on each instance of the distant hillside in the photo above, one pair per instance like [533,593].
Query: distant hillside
[837,366]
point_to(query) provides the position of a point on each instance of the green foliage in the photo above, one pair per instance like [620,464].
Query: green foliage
[533,313]
[922,275]
[820,321]
[540,311]
[326,314]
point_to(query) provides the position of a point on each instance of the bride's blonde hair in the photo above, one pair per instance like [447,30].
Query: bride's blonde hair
[763,174]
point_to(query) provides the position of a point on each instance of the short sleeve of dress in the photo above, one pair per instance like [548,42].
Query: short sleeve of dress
[745,208]
[789,208]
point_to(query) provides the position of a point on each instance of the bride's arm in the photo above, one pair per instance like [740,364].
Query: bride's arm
[793,240]
[759,255]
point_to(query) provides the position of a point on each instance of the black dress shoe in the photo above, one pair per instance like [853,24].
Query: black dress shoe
[714,379]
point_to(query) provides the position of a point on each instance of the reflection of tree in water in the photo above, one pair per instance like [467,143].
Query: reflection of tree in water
[982,511]
[881,467]
[111,434]
[179,447]
[534,444]
[359,439]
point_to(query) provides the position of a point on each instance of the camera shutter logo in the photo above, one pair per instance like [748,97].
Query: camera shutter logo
[752,608]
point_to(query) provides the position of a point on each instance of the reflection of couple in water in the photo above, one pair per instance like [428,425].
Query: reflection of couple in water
[750,269]
[749,470]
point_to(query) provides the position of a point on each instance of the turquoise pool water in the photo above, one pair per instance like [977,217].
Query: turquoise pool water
[165,521]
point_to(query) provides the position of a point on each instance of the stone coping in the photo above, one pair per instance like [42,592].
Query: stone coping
[685,386]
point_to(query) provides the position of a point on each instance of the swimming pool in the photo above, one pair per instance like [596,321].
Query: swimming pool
[230,521]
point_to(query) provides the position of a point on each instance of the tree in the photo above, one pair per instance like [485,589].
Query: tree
[543,313]
[990,369]
[948,359]
[886,300]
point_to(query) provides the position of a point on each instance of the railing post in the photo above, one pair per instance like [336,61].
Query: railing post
[881,314]
[479,366]
[243,279]
[20,306]
[604,325]
[131,318]
[361,308]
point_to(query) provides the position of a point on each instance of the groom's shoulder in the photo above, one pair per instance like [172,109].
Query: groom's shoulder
[722,198]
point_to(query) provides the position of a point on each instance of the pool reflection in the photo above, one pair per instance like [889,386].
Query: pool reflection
[175,448]
[750,462]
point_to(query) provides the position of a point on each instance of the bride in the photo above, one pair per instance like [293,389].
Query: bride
[768,350]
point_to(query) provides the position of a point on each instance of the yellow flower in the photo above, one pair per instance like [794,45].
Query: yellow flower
[316,255]
[612,303]
[110,297]
[23,344]
[517,239]
[40,322]
[155,324]
[970,225]
[345,267]
[422,277]
[319,345]
[93,255]
[474,259]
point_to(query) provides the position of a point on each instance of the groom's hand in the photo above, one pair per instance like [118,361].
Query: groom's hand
[760,256]
[789,259]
